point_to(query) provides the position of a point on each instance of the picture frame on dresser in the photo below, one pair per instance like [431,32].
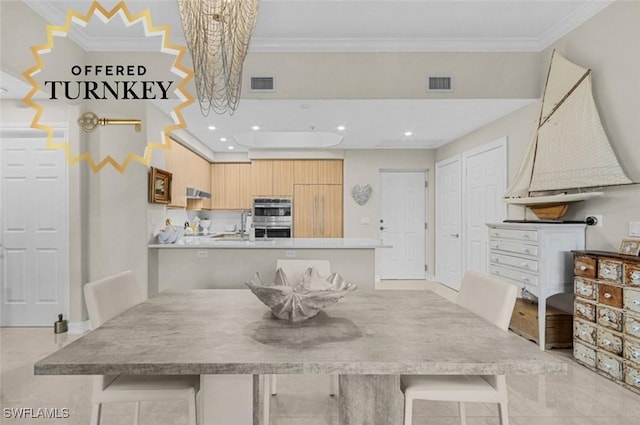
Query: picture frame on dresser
[629,247]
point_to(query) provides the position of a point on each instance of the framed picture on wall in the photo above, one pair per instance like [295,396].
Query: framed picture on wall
[629,247]
[159,186]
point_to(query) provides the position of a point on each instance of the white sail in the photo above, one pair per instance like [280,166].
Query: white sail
[563,76]
[570,149]
[520,184]
[573,150]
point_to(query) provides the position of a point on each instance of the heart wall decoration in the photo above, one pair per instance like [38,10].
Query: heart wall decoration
[361,194]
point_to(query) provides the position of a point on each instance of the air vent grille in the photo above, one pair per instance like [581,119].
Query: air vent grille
[262,83]
[440,84]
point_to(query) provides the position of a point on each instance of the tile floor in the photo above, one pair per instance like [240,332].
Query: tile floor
[579,398]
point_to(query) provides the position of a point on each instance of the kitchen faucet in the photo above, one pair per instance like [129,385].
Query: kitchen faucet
[243,219]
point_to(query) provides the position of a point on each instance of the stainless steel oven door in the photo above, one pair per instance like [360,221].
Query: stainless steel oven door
[272,207]
[273,232]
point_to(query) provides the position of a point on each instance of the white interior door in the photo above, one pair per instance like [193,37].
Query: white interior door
[485,177]
[34,263]
[449,222]
[402,224]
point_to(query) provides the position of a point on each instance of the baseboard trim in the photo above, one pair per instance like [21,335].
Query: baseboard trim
[79,327]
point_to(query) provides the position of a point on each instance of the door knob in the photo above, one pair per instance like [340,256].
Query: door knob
[455,235]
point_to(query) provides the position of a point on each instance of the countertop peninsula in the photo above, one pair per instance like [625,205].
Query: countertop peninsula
[199,242]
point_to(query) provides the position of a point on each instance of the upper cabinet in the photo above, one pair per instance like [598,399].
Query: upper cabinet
[234,185]
[175,160]
[261,178]
[229,186]
[199,177]
[317,171]
[282,177]
[188,170]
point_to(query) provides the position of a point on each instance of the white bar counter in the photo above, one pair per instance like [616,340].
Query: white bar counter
[210,263]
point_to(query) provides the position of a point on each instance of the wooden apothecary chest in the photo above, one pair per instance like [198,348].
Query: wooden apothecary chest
[606,327]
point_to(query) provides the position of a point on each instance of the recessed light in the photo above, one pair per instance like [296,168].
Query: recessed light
[223,139]
[408,133]
[212,127]
[231,147]
[255,128]
[341,128]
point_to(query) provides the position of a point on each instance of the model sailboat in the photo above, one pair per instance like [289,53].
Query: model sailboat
[569,151]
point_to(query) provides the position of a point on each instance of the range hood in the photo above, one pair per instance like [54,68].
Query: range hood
[193,193]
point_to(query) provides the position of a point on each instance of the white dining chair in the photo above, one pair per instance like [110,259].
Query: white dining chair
[106,298]
[492,300]
[294,269]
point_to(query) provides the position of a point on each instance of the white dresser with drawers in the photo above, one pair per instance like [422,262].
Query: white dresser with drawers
[536,257]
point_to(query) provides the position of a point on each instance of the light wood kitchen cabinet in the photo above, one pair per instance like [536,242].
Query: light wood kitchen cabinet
[317,171]
[245,183]
[188,170]
[261,178]
[317,211]
[199,177]
[231,186]
[282,177]
[217,186]
[175,160]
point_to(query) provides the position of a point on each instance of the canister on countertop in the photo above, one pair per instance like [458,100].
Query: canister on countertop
[60,326]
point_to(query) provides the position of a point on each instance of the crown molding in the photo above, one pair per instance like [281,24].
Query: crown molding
[261,44]
[272,44]
[571,22]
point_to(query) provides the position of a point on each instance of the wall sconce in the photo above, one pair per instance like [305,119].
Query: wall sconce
[89,121]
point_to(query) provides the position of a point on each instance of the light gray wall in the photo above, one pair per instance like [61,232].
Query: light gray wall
[362,166]
[603,44]
[392,75]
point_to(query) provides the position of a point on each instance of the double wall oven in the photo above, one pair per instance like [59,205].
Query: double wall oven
[272,217]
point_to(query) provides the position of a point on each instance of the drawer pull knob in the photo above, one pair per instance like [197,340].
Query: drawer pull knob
[637,380]
[606,342]
[583,268]
[496,259]
[608,295]
[525,280]
[636,302]
[524,235]
[635,328]
[635,354]
[605,318]
[525,249]
[583,333]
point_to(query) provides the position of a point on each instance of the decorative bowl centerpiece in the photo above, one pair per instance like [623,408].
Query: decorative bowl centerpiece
[301,300]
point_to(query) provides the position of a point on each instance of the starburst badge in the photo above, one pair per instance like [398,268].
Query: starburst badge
[125,83]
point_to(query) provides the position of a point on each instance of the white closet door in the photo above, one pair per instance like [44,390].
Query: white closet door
[485,177]
[449,222]
[34,226]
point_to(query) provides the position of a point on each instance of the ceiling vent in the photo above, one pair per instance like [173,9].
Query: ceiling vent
[440,84]
[262,84]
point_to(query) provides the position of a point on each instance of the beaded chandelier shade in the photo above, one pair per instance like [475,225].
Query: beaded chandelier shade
[218,34]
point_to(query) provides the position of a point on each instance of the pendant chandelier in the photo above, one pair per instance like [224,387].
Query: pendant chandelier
[218,34]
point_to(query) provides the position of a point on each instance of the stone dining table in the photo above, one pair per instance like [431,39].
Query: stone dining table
[369,338]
